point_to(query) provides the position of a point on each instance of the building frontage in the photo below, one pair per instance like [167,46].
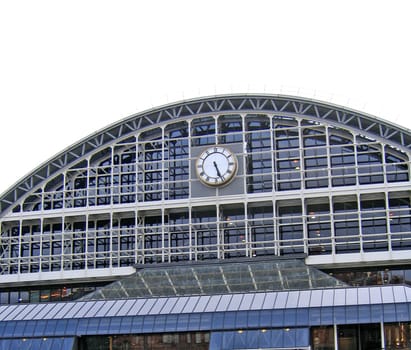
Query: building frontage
[224,222]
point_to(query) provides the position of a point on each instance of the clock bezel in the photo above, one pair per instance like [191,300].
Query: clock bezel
[213,181]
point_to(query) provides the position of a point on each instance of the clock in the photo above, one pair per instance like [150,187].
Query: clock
[216,166]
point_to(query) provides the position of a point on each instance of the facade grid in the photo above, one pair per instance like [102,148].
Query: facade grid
[311,181]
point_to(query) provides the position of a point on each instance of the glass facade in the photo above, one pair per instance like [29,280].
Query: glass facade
[235,264]
[148,177]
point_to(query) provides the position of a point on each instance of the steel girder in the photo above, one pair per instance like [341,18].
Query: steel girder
[340,116]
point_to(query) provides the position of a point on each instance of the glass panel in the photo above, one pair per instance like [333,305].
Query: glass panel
[178,307]
[399,295]
[387,295]
[328,298]
[202,303]
[169,305]
[292,299]
[158,306]
[134,310]
[224,302]
[235,302]
[363,296]
[219,279]
[146,307]
[258,301]
[107,308]
[84,308]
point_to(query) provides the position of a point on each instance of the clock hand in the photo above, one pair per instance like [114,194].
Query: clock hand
[216,168]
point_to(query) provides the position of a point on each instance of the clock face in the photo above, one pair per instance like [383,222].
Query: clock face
[216,166]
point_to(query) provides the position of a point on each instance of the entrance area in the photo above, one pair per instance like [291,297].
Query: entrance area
[362,337]
[349,337]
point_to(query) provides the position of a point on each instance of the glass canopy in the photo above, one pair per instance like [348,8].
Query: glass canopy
[217,278]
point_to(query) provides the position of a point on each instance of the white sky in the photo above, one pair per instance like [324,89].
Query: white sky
[69,68]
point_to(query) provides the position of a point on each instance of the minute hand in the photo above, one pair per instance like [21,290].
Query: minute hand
[216,168]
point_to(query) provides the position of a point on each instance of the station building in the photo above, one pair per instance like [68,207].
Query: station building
[225,222]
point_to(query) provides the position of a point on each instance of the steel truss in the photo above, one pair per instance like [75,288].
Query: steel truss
[363,123]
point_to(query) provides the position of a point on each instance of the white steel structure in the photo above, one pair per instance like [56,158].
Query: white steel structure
[313,178]
[211,179]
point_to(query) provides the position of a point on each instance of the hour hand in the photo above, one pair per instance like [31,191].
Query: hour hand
[216,168]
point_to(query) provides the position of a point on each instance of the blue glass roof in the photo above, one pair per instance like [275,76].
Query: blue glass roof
[208,303]
[208,312]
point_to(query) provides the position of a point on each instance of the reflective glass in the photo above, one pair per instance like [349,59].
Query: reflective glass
[61,327]
[115,325]
[93,326]
[302,317]
[41,327]
[72,325]
[277,318]
[351,314]
[206,321]
[314,316]
[103,328]
[290,317]
[402,312]
[327,315]
[126,325]
[339,315]
[183,323]
[364,313]
[253,319]
[159,323]
[195,320]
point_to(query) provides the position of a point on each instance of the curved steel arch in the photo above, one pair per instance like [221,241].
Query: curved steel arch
[245,103]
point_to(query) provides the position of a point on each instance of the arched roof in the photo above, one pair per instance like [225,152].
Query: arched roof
[240,103]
